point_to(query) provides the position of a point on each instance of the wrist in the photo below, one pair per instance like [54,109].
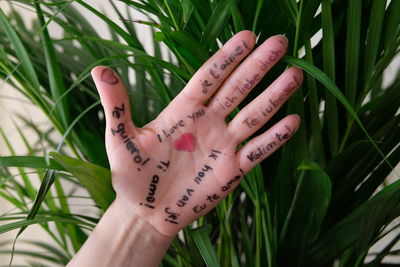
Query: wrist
[133,225]
[122,238]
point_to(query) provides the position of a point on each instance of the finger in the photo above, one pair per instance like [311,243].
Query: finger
[248,75]
[211,75]
[264,145]
[115,101]
[261,109]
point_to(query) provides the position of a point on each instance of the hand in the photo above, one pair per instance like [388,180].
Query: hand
[181,165]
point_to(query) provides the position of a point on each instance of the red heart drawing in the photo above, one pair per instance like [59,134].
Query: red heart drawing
[107,76]
[187,142]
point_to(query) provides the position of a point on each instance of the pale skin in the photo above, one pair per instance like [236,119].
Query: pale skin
[181,165]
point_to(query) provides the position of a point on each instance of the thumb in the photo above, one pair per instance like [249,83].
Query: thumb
[115,101]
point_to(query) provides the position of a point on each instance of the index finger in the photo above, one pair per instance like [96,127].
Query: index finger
[216,69]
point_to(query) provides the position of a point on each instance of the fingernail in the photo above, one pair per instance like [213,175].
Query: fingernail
[284,39]
[299,122]
[254,36]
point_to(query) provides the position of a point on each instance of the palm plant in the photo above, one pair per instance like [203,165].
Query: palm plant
[322,199]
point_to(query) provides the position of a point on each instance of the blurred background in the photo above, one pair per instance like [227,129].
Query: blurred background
[13,104]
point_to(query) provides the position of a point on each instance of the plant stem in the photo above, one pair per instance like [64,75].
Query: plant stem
[172,16]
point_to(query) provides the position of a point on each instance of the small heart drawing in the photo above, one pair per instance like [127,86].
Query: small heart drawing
[107,76]
[187,142]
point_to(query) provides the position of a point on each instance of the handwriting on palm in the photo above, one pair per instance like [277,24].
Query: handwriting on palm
[179,166]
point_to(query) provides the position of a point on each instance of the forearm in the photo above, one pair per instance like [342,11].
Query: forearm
[122,238]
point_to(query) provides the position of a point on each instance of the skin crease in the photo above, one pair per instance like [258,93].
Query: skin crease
[167,186]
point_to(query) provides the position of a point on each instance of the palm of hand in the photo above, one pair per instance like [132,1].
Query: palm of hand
[182,164]
[177,167]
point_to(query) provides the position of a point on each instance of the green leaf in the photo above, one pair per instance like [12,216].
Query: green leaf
[238,19]
[123,34]
[45,186]
[39,220]
[359,226]
[187,10]
[290,8]
[47,251]
[310,203]
[74,122]
[189,47]
[328,48]
[203,243]
[316,127]
[256,15]
[352,49]
[159,36]
[324,79]
[373,38]
[392,23]
[96,179]
[20,50]
[30,162]
[216,22]
[196,259]
[27,184]
[57,86]
[52,249]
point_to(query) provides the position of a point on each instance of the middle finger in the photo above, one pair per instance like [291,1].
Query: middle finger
[248,74]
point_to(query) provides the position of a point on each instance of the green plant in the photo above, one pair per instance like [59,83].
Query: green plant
[315,201]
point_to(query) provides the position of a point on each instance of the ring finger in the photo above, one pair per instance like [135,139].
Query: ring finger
[261,109]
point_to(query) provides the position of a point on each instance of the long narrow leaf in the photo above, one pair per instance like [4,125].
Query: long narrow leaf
[57,87]
[324,79]
[352,49]
[216,22]
[200,237]
[328,47]
[30,162]
[20,50]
